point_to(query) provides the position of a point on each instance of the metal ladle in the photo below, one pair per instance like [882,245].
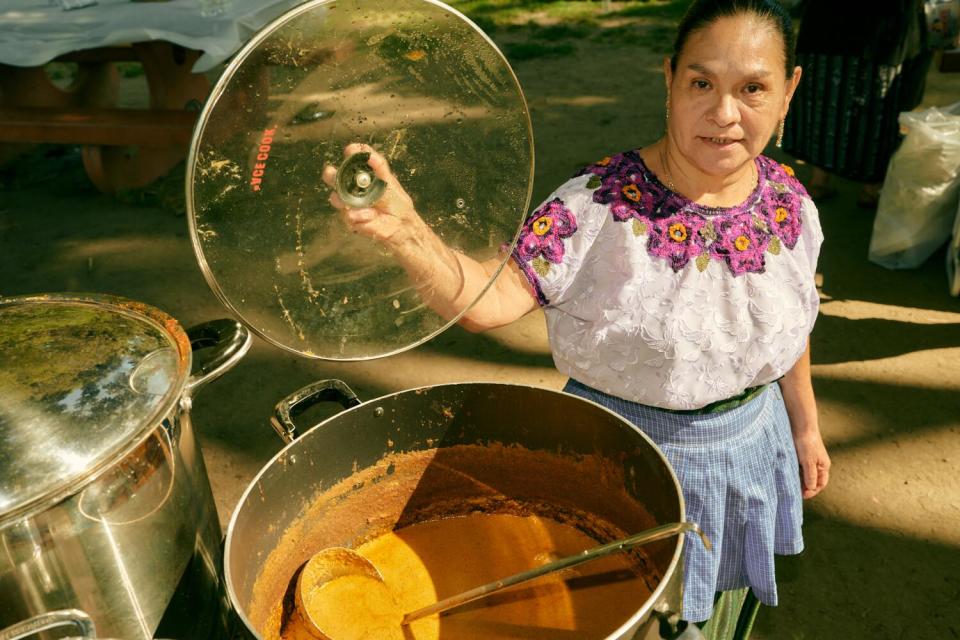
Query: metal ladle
[336,562]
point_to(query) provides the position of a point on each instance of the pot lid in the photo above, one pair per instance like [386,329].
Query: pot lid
[419,83]
[83,379]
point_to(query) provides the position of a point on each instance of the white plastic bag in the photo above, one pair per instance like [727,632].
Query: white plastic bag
[918,201]
[953,258]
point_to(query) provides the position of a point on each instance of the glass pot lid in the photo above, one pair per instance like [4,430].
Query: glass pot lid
[82,379]
[419,83]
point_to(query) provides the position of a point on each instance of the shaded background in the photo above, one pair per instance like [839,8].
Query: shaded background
[883,541]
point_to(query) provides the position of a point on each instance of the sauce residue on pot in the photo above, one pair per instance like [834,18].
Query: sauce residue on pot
[432,560]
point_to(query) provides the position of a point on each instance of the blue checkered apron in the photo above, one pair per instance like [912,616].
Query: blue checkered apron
[740,479]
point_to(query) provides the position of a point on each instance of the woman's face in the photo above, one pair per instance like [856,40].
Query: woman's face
[728,93]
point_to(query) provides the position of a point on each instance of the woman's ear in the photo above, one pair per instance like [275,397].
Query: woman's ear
[668,73]
[792,83]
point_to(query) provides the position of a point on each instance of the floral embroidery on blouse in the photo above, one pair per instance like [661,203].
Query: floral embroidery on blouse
[541,239]
[680,231]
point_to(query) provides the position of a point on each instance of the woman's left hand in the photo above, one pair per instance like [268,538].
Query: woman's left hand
[814,461]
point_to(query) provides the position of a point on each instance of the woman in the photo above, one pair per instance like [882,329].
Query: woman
[865,62]
[678,286]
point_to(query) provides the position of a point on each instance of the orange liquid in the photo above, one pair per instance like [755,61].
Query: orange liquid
[424,563]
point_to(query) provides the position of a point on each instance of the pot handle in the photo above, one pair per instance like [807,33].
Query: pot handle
[50,620]
[227,340]
[310,395]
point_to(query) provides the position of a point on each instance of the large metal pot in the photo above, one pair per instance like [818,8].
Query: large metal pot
[108,527]
[287,512]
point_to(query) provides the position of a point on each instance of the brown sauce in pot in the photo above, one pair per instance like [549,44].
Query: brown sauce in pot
[573,501]
[433,560]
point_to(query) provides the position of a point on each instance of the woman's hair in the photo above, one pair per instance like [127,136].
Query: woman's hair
[703,13]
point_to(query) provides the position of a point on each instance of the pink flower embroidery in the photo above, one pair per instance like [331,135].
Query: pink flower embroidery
[740,243]
[676,238]
[544,231]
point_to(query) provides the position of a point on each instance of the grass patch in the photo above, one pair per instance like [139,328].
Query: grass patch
[529,50]
[514,23]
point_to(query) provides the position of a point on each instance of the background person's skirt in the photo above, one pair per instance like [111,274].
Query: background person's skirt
[740,479]
[843,116]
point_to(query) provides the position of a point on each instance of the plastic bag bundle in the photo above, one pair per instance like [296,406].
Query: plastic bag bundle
[918,201]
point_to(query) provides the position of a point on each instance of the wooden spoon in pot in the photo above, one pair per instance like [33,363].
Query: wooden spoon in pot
[337,562]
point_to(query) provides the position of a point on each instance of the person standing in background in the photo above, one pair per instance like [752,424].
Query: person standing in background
[864,61]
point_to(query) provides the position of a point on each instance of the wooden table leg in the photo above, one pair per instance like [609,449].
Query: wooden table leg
[172,86]
[96,84]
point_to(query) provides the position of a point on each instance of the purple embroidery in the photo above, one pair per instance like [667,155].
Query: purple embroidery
[676,238]
[611,164]
[544,231]
[740,243]
[739,236]
[781,211]
[626,195]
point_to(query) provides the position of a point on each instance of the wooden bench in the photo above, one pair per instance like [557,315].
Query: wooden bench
[97,126]
[121,148]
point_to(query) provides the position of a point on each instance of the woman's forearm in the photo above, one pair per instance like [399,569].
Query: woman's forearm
[447,281]
[797,388]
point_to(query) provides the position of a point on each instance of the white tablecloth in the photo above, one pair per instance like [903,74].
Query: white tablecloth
[33,32]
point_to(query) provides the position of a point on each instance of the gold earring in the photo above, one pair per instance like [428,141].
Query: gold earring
[779,142]
[667,107]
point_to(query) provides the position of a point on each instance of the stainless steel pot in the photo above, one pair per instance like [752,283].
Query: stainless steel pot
[347,447]
[107,522]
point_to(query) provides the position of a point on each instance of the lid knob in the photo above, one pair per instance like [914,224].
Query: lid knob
[356,184]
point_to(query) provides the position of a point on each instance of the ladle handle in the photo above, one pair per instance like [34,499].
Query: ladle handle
[657,533]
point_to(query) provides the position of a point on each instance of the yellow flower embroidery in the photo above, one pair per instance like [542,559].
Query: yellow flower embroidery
[631,192]
[604,162]
[741,243]
[541,225]
[781,214]
[416,55]
[788,170]
[678,232]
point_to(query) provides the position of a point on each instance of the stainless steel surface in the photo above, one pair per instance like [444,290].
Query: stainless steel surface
[51,620]
[419,83]
[83,378]
[134,541]
[434,418]
[356,567]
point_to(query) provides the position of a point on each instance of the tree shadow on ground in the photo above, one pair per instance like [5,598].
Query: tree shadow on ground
[837,339]
[868,571]
[893,409]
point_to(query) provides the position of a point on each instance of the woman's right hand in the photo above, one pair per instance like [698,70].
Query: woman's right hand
[391,220]
[447,280]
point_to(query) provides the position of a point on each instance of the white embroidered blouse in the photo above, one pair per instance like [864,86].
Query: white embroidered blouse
[658,300]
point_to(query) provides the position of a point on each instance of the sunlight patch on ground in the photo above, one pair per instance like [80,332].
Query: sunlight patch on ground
[933,369]
[422,368]
[920,499]
[129,248]
[860,309]
[579,101]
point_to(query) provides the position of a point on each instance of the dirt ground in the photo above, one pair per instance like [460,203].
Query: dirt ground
[883,541]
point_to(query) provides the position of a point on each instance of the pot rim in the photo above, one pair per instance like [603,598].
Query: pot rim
[143,312]
[641,613]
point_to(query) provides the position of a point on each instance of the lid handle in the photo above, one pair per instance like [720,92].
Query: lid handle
[356,183]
